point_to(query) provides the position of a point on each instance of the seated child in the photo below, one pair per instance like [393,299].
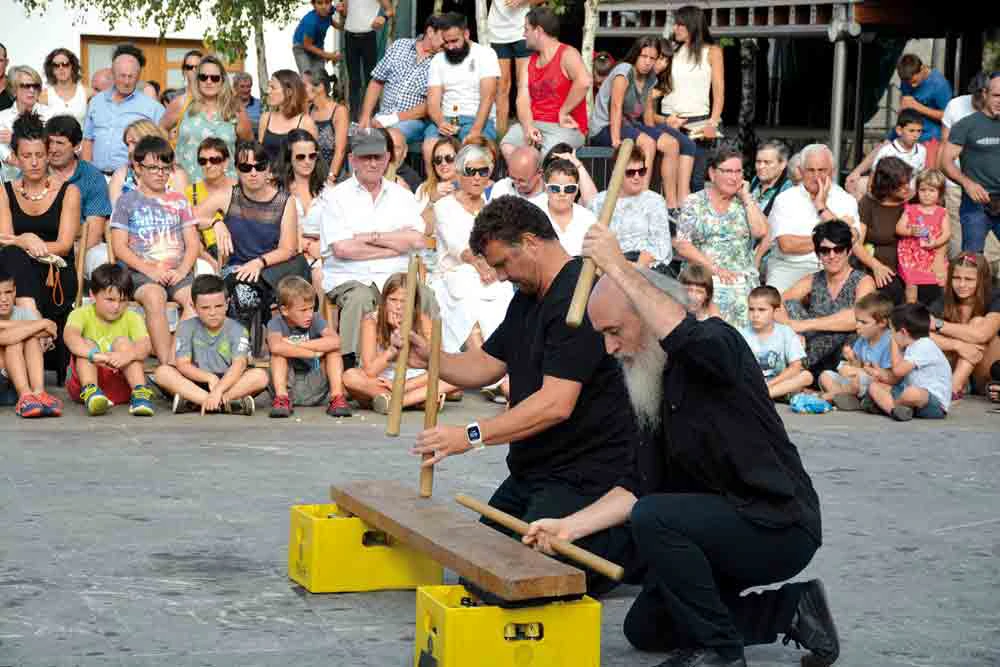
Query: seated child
[924,233]
[777,347]
[211,356]
[868,359]
[306,366]
[921,386]
[697,280]
[21,348]
[109,344]
[155,234]
[371,383]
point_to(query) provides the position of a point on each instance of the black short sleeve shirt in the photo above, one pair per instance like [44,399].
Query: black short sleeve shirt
[593,448]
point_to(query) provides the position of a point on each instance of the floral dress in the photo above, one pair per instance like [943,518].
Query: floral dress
[195,127]
[726,240]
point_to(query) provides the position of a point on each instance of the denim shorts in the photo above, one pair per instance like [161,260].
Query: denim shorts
[933,409]
[864,381]
[511,50]
[464,126]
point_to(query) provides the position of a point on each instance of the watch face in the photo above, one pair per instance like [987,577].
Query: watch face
[473,433]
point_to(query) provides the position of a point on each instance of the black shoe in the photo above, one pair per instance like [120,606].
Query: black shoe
[812,627]
[705,657]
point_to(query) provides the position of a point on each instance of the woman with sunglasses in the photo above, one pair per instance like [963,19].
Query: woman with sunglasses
[640,221]
[302,172]
[820,307]
[286,99]
[331,117]
[214,160]
[966,324]
[570,220]
[214,110]
[27,89]
[67,93]
[472,302]
[259,231]
[441,182]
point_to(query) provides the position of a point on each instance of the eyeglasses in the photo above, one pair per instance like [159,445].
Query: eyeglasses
[482,172]
[247,167]
[187,67]
[306,156]
[557,189]
[438,159]
[632,173]
[827,250]
[61,64]
[214,159]
[730,172]
[37,87]
[157,168]
[214,78]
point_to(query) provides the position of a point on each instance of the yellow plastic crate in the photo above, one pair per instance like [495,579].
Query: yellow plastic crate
[331,553]
[451,633]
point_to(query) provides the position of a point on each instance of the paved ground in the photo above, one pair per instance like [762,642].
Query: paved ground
[162,542]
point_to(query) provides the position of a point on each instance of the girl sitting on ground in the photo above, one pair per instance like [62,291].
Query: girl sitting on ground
[697,281]
[371,383]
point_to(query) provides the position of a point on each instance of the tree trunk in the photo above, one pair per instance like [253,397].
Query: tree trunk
[747,138]
[482,30]
[587,47]
[258,40]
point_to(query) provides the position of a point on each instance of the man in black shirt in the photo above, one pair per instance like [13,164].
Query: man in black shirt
[724,503]
[570,428]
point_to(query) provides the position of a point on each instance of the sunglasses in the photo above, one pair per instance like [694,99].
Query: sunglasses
[482,172]
[214,78]
[37,87]
[187,68]
[215,159]
[246,167]
[826,251]
[306,156]
[556,189]
[61,65]
[967,258]
[632,173]
[157,168]
[439,159]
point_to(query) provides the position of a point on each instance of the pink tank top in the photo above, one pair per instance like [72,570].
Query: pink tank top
[549,87]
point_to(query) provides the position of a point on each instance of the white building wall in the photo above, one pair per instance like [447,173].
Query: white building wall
[29,38]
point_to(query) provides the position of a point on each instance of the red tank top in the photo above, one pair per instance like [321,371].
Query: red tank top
[549,88]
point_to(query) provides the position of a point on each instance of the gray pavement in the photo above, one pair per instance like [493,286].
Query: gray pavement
[163,542]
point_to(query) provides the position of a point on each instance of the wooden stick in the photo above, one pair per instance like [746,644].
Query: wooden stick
[431,404]
[562,547]
[399,380]
[574,316]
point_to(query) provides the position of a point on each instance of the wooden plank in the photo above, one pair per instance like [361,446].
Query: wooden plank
[494,562]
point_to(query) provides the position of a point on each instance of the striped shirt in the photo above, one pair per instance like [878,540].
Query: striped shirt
[404,78]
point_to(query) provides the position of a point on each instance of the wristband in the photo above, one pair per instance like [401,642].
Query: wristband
[820,212]
[90,355]
[263,260]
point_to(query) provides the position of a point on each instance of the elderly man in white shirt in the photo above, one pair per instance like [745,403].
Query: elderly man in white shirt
[797,210]
[525,179]
[368,226]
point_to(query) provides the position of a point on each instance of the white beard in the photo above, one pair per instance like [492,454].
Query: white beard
[644,380]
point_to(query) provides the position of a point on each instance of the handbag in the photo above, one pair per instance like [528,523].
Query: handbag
[296,266]
[54,278]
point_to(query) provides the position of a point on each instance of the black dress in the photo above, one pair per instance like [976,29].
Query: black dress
[30,275]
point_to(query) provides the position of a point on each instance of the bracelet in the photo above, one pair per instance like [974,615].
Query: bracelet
[90,355]
[820,212]
[263,260]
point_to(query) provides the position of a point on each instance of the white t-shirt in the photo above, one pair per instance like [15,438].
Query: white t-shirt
[460,83]
[776,352]
[571,238]
[506,24]
[505,186]
[348,209]
[916,158]
[794,214]
[931,370]
[360,14]
[957,109]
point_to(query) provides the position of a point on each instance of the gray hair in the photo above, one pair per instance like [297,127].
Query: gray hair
[669,286]
[241,76]
[813,149]
[779,147]
[793,162]
[472,153]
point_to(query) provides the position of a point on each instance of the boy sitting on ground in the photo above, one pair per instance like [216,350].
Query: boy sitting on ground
[306,365]
[923,387]
[21,350]
[846,386]
[109,344]
[777,347]
[211,357]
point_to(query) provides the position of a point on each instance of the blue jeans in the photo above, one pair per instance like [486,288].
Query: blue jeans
[416,130]
[464,127]
[931,410]
[976,224]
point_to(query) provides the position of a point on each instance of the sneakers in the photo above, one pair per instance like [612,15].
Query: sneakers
[869,406]
[380,403]
[95,400]
[902,413]
[29,406]
[687,657]
[141,404]
[180,405]
[812,627]
[244,406]
[338,407]
[52,406]
[281,407]
[846,402]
